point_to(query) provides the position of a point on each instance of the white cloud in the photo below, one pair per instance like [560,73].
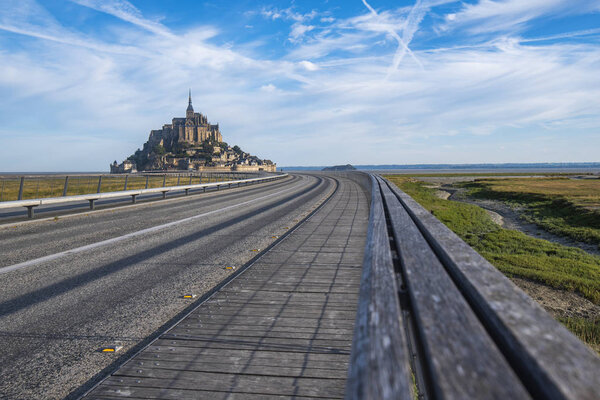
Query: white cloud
[111,92]
[270,88]
[504,15]
[298,30]
[309,66]
[126,11]
[288,14]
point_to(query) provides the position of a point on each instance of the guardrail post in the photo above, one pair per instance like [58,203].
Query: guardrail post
[133,198]
[21,188]
[125,187]
[178,179]
[164,180]
[99,183]
[164,194]
[91,203]
[30,211]
[66,186]
[146,181]
[187,191]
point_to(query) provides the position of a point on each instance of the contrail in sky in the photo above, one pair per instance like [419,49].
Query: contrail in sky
[412,24]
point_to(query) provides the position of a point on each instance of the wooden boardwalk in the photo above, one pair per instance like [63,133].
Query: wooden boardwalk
[282,329]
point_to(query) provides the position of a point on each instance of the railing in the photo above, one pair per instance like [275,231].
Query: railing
[40,186]
[436,320]
[164,189]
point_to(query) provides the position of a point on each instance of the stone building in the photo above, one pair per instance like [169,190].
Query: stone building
[126,167]
[193,130]
[190,143]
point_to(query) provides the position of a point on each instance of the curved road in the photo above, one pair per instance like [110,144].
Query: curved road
[73,285]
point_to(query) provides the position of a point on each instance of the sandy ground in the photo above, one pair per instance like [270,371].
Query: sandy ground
[560,303]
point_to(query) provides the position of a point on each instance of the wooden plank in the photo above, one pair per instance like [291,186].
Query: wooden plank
[300,287]
[461,358]
[275,321]
[200,381]
[282,312]
[239,367]
[133,392]
[266,333]
[261,295]
[198,322]
[249,345]
[551,362]
[292,357]
[309,306]
[379,366]
[261,341]
[222,361]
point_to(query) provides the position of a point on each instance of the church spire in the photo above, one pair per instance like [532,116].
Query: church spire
[190,110]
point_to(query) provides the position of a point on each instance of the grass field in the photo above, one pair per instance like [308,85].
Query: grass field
[512,252]
[486,174]
[516,254]
[568,207]
[586,329]
[49,186]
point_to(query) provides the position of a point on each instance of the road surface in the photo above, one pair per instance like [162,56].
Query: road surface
[73,285]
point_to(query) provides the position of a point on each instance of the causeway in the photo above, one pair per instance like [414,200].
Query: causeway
[281,329]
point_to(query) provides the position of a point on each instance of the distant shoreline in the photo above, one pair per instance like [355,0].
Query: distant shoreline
[583,167]
[505,167]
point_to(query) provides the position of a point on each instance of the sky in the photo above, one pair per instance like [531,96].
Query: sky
[82,82]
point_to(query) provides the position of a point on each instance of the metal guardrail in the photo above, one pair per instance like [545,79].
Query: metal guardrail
[436,320]
[30,204]
[14,187]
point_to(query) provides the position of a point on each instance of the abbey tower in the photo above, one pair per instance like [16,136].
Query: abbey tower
[193,129]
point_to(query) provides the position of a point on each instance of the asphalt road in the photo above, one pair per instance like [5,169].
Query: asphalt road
[56,313]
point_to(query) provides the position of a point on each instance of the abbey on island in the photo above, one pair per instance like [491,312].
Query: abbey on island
[192,144]
[193,129]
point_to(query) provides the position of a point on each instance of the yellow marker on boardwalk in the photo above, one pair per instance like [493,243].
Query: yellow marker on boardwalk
[189,296]
[111,349]
[254,250]
[230,267]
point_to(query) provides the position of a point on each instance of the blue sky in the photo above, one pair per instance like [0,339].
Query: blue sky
[82,82]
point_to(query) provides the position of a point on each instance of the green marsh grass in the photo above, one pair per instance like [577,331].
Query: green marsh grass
[512,252]
[588,330]
[566,207]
